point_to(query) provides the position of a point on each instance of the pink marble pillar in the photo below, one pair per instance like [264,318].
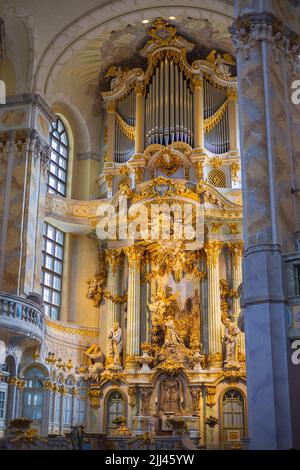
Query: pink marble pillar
[269,210]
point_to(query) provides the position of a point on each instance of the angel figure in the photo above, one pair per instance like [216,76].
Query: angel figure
[96,357]
[221,61]
[116,73]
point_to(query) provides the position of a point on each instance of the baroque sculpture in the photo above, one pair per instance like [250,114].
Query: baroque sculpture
[115,346]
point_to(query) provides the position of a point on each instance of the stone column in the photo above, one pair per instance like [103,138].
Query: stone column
[134,256]
[62,390]
[12,398]
[267,50]
[111,126]
[24,157]
[199,114]
[113,258]
[213,250]
[45,429]
[139,119]
[233,121]
[74,405]
[236,251]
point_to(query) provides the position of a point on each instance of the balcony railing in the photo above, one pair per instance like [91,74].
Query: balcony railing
[22,316]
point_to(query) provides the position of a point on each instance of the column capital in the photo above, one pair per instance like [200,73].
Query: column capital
[197,82]
[250,29]
[236,249]
[134,255]
[232,94]
[113,258]
[111,107]
[213,249]
[139,88]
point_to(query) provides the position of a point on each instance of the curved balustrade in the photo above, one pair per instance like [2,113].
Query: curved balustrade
[18,315]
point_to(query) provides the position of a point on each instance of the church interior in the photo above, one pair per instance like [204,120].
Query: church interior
[150,228]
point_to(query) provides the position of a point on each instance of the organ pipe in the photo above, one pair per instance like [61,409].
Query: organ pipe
[170,113]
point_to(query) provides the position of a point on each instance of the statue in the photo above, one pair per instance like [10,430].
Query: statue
[96,357]
[115,345]
[173,346]
[230,340]
[95,290]
[96,286]
[221,62]
[116,73]
[162,303]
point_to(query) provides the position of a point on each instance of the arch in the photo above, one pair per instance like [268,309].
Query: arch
[12,13]
[8,75]
[43,368]
[111,16]
[11,365]
[75,124]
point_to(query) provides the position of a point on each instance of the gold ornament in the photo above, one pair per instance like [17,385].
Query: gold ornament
[170,367]
[235,168]
[95,395]
[212,121]
[210,396]
[236,250]
[127,130]
[134,255]
[213,250]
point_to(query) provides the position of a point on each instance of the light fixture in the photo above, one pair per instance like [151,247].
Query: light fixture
[145,21]
[172,17]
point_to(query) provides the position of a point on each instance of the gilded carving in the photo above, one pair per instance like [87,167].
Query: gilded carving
[235,168]
[210,396]
[95,395]
[134,255]
[213,250]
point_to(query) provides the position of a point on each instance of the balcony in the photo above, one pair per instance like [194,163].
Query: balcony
[21,318]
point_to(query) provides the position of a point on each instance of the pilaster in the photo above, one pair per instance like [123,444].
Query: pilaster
[213,250]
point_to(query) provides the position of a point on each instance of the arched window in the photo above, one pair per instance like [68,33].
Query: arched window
[59,142]
[115,407]
[233,405]
[34,394]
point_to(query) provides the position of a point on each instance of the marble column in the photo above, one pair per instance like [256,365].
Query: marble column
[266,53]
[213,250]
[12,398]
[199,114]
[236,251]
[24,157]
[45,429]
[134,255]
[139,119]
[113,257]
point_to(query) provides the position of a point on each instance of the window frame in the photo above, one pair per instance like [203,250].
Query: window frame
[109,423]
[297,278]
[51,271]
[34,387]
[242,402]
[59,156]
